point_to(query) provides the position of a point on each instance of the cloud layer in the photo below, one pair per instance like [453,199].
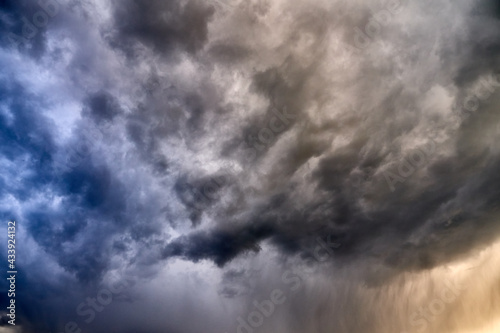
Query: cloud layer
[207,139]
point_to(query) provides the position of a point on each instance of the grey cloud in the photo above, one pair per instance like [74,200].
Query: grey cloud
[166,27]
[197,87]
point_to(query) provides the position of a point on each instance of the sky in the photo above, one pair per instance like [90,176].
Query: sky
[220,166]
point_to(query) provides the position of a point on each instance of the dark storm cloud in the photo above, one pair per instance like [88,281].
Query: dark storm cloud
[219,246]
[480,56]
[197,195]
[290,85]
[351,175]
[311,129]
[164,26]
[102,107]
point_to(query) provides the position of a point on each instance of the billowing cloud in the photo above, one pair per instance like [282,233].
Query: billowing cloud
[341,153]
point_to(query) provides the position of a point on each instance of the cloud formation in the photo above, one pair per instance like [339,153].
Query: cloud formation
[140,139]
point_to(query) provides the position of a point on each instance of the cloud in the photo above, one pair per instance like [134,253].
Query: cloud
[138,136]
[166,27]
